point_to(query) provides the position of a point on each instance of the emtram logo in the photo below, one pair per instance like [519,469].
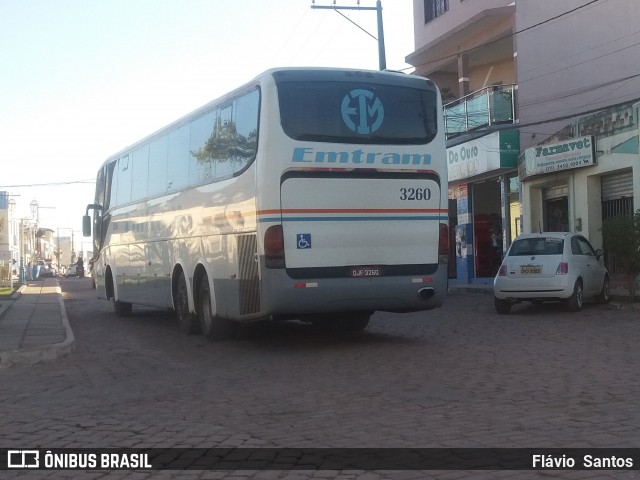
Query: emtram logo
[362,111]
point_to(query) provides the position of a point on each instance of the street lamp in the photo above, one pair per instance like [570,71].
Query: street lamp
[34,209]
[22,278]
[11,233]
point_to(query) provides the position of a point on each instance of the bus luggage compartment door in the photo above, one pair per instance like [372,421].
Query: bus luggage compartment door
[334,221]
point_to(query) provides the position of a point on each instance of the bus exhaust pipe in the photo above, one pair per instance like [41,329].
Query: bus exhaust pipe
[426,293]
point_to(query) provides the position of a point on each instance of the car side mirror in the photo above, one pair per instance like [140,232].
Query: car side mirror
[599,253]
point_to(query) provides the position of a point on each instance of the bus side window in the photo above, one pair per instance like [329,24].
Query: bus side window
[224,143]
[124,180]
[158,156]
[200,161]
[178,166]
[140,161]
[246,113]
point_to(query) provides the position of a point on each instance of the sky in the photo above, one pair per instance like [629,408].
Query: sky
[82,79]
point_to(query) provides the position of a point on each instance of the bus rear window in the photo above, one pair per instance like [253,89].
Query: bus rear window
[353,112]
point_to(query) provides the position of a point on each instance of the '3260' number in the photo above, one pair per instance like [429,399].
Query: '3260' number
[415,194]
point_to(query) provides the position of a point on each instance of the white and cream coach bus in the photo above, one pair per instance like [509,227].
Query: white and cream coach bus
[316,194]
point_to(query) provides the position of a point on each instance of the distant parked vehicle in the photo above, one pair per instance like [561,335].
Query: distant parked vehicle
[46,269]
[71,271]
[552,266]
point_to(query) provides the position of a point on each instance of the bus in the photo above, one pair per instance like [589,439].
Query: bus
[315,194]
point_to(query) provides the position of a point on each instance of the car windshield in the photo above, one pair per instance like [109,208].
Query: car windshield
[537,246]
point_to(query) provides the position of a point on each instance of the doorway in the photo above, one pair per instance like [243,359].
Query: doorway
[557,215]
[556,208]
[487,227]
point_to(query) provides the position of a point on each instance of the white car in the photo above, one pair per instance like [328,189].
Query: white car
[558,266]
[71,271]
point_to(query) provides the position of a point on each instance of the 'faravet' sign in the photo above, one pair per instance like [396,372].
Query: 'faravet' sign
[574,153]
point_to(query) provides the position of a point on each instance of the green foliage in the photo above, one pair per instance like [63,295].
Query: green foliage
[621,237]
[6,292]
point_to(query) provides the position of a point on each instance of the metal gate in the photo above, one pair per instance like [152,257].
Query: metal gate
[617,199]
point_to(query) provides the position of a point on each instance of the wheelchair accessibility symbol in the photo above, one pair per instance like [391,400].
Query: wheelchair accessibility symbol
[303,240]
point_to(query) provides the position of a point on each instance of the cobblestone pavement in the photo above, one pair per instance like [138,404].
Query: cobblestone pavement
[460,376]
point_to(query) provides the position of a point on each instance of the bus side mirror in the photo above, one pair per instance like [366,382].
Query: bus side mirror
[86,219]
[86,225]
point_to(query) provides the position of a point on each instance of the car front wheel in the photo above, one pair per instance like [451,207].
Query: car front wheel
[575,301]
[605,293]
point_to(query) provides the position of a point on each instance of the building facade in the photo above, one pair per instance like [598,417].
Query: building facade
[562,85]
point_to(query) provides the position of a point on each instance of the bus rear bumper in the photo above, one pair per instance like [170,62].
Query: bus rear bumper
[285,296]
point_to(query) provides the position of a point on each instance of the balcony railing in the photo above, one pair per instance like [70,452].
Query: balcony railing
[489,106]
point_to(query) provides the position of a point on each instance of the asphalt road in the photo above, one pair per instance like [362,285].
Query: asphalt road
[459,376]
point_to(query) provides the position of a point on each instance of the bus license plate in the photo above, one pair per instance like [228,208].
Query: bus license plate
[531,269]
[362,272]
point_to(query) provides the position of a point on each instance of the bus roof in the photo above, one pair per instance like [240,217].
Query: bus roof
[284,74]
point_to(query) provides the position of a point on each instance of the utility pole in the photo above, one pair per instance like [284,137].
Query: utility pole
[382,60]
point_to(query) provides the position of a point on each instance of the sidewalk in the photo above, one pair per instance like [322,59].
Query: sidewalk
[34,325]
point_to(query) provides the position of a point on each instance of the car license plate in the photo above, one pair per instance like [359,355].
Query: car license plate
[531,269]
[362,272]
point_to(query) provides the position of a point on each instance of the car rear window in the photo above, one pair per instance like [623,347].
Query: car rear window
[537,246]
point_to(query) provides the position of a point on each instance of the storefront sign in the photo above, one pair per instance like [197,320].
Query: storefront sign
[491,152]
[574,153]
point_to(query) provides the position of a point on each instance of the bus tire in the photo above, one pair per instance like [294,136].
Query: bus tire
[121,309]
[356,321]
[349,322]
[187,321]
[213,327]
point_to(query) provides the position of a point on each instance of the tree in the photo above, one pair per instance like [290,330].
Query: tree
[621,237]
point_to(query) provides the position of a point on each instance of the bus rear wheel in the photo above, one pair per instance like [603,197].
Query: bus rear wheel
[213,327]
[121,309]
[349,322]
[186,320]
[354,322]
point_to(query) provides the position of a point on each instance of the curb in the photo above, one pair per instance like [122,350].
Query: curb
[46,353]
[483,289]
[7,305]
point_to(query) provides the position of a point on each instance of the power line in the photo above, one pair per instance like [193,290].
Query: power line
[577,91]
[49,184]
[554,18]
[511,35]
[519,126]
[591,59]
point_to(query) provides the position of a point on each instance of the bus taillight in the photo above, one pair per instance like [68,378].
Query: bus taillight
[274,247]
[443,244]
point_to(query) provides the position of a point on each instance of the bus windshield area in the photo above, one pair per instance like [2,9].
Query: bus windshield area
[349,112]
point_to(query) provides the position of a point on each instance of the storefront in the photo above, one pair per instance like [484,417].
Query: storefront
[484,207]
[575,184]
